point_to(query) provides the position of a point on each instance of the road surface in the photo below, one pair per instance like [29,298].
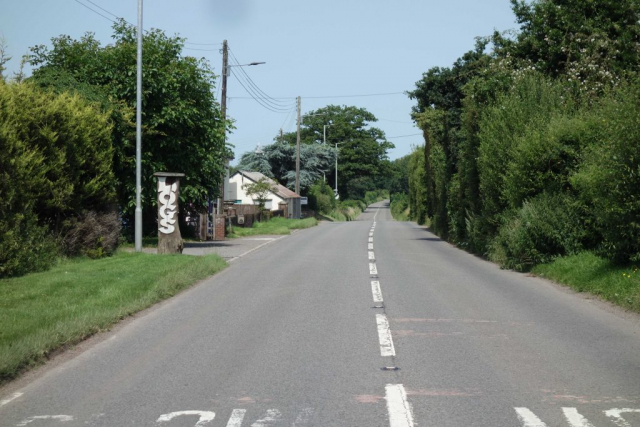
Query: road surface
[364,323]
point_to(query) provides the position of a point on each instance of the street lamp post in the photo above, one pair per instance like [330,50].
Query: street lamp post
[138,211]
[336,189]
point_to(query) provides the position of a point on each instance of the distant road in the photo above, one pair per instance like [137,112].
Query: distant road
[297,333]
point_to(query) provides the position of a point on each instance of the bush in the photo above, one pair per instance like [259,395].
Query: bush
[94,235]
[609,177]
[25,246]
[322,198]
[545,227]
[399,205]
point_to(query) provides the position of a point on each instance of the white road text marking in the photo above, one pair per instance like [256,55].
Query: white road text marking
[384,335]
[205,417]
[375,290]
[575,419]
[528,418]
[273,415]
[400,412]
[236,418]
[617,415]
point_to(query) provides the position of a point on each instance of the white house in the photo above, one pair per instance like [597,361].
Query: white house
[281,194]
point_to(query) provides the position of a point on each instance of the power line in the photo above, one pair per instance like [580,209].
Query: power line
[204,44]
[336,96]
[203,50]
[268,99]
[404,136]
[103,9]
[257,99]
[95,11]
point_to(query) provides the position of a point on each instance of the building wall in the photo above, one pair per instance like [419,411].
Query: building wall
[237,192]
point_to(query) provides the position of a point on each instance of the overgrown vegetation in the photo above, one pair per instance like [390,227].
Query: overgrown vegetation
[43,312]
[532,149]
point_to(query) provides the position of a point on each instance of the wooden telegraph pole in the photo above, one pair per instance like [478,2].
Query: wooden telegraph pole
[298,152]
[223,107]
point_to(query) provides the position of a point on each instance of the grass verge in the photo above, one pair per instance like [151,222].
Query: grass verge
[587,272]
[274,226]
[43,312]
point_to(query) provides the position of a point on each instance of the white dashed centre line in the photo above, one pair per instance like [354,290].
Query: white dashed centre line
[370,239]
[370,246]
[371,255]
[373,270]
[376,291]
[399,408]
[384,335]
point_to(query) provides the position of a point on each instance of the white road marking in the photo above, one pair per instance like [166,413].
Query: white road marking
[370,239]
[375,290]
[237,415]
[370,246]
[371,256]
[384,336]
[205,417]
[575,419]
[61,418]
[616,413]
[399,408]
[11,398]
[528,418]
[371,234]
[303,417]
[256,248]
[374,217]
[273,415]
[373,270]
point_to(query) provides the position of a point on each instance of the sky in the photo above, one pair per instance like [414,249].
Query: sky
[324,51]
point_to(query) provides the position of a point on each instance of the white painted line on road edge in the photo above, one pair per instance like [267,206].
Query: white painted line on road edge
[617,414]
[13,397]
[370,246]
[376,291]
[205,417]
[399,408]
[384,335]
[528,418]
[371,255]
[61,418]
[575,419]
[373,270]
[236,418]
[256,248]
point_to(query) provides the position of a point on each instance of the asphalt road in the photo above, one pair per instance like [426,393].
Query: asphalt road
[297,332]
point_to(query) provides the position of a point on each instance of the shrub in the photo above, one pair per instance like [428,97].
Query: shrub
[25,246]
[399,205]
[321,198]
[94,235]
[544,227]
[609,177]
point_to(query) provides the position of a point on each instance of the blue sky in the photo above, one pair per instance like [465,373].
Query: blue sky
[321,51]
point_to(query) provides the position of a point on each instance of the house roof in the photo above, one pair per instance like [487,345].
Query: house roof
[281,191]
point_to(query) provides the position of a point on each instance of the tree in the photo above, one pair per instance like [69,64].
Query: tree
[278,161]
[259,191]
[362,149]
[183,129]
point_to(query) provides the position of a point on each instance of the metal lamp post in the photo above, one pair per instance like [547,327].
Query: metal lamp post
[138,212]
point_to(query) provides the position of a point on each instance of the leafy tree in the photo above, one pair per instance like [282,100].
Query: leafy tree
[362,149]
[259,191]
[278,161]
[182,125]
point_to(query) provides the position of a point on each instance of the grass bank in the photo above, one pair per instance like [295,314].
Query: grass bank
[587,272]
[43,312]
[274,226]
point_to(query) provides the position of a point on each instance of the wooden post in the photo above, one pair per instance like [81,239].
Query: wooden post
[169,238]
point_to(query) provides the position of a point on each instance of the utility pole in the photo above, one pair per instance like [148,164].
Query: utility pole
[223,107]
[298,152]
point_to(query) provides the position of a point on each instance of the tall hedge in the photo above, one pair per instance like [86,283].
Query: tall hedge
[55,163]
